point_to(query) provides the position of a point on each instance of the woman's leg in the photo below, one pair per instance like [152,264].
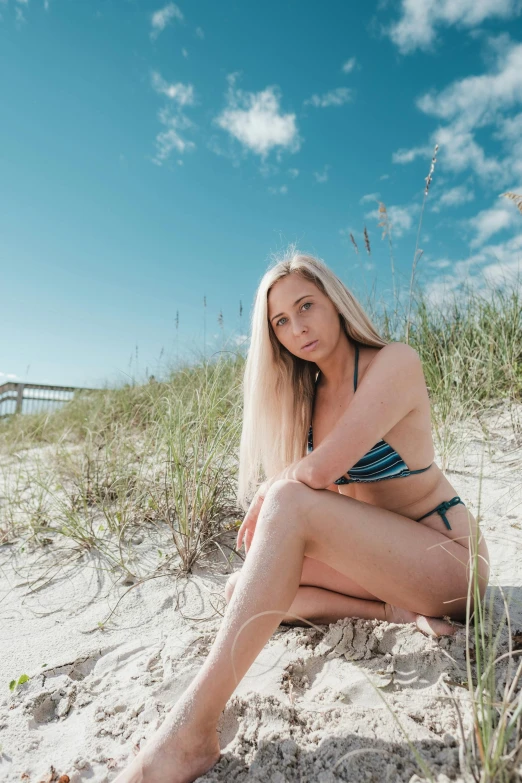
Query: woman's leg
[325,605]
[409,565]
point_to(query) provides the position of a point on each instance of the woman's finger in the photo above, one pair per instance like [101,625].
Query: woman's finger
[240,535]
[254,511]
[250,520]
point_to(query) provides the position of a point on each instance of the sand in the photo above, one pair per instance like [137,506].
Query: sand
[322,706]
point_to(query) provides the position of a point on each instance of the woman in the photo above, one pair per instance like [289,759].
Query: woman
[349,529]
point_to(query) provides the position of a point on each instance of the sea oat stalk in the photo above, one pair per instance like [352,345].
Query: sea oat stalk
[418,253]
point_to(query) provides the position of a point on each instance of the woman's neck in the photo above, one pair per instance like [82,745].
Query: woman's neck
[337,370]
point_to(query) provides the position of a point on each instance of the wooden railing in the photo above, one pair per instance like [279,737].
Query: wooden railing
[33,397]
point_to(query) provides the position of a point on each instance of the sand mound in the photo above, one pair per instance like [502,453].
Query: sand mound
[315,706]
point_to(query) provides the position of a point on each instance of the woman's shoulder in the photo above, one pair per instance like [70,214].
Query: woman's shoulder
[393,349]
[392,357]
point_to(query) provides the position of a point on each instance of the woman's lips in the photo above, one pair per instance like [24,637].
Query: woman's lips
[311,346]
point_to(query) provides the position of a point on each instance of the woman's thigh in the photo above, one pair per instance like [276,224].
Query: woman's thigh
[317,574]
[391,556]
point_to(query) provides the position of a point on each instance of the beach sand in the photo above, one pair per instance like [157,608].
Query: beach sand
[95,693]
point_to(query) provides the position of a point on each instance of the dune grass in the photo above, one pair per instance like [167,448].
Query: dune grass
[160,459]
[113,466]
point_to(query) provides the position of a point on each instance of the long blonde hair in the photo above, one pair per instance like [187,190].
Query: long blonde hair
[278,387]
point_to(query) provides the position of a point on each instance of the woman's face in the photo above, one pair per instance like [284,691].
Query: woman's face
[299,314]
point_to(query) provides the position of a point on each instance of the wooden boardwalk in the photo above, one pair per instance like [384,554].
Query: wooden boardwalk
[34,397]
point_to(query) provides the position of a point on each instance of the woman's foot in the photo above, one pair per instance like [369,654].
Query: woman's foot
[429,626]
[173,756]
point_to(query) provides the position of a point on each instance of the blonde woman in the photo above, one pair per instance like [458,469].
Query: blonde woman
[354,520]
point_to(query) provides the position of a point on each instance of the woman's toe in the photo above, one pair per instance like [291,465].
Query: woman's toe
[435,627]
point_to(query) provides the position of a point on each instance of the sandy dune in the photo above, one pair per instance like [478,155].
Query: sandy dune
[95,693]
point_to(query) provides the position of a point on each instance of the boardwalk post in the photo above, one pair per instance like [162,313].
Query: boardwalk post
[19,397]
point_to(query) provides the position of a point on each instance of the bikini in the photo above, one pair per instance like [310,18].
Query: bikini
[381,462]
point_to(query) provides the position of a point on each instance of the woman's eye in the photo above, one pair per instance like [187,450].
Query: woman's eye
[303,305]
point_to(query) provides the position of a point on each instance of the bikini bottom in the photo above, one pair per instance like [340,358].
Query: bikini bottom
[441,510]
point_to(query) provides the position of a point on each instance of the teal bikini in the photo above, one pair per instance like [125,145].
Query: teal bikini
[381,462]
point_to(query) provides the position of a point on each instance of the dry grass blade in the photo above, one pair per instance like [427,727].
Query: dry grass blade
[516,198]
[367,241]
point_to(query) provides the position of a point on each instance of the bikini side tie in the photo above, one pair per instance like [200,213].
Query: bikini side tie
[442,508]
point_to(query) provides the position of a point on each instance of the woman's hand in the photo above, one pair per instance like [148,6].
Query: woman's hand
[248,526]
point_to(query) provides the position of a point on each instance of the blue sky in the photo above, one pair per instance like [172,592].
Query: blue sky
[156,153]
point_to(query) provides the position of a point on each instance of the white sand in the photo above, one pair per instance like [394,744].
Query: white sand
[94,694]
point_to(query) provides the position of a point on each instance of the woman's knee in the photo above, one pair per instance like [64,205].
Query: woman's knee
[286,494]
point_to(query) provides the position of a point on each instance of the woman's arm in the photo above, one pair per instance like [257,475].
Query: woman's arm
[389,390]
[387,393]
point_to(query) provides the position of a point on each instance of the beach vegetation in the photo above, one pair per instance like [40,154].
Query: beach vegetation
[157,462]
[15,683]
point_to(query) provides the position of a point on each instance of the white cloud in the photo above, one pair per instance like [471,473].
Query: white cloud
[460,151]
[322,176]
[490,221]
[160,19]
[385,176]
[256,121]
[440,263]
[349,65]
[239,339]
[173,118]
[293,173]
[200,33]
[494,265]
[370,197]
[19,15]
[476,102]
[336,97]
[400,218]
[510,133]
[281,190]
[6,377]
[407,156]
[171,139]
[184,52]
[454,197]
[268,169]
[182,94]
[417,26]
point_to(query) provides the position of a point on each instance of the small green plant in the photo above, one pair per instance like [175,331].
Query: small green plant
[14,684]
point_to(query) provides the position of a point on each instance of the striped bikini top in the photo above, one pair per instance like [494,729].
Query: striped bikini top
[381,462]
